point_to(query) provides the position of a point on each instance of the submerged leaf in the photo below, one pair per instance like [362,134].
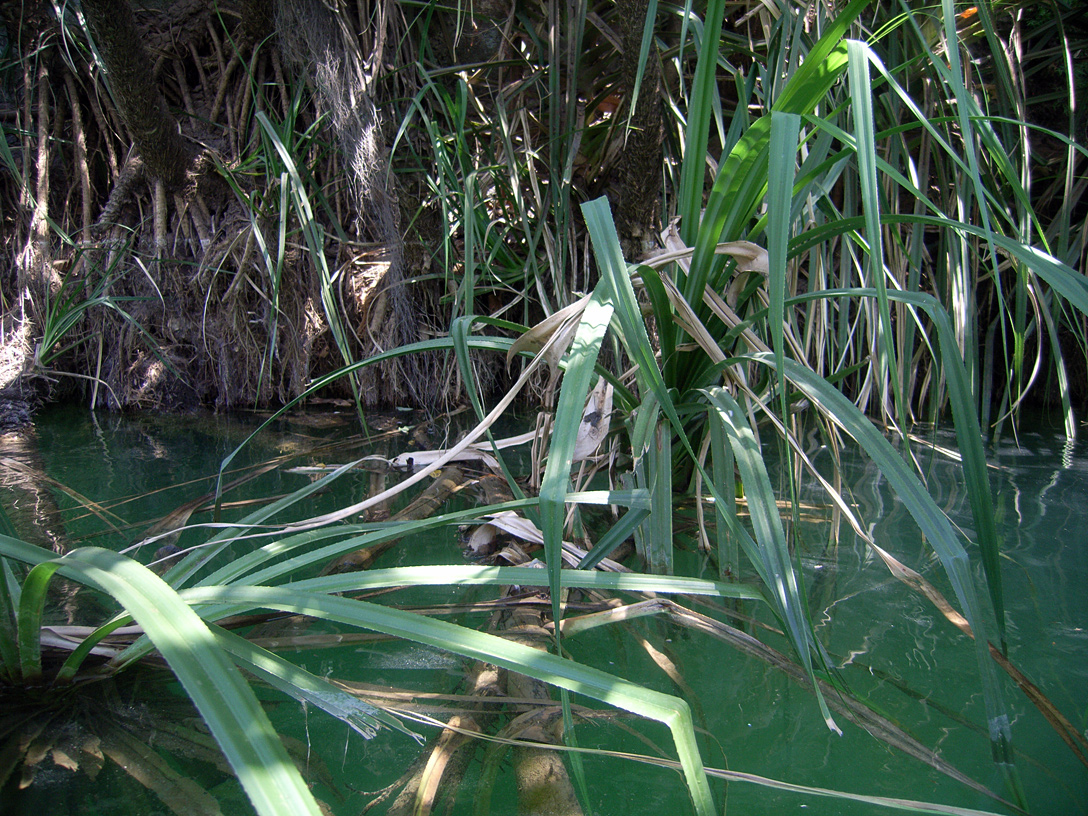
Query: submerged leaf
[179,793]
[90,751]
[62,759]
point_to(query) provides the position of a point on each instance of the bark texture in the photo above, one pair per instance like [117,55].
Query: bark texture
[640,164]
[135,92]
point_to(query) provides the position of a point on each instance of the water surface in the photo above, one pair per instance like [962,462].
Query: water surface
[890,645]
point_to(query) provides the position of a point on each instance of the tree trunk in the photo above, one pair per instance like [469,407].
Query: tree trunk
[639,169]
[139,101]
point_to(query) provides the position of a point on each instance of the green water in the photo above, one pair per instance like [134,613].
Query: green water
[891,645]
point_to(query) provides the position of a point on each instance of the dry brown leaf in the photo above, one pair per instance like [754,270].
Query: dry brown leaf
[563,322]
[92,758]
[63,759]
[595,421]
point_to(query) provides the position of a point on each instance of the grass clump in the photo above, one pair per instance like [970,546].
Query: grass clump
[848,220]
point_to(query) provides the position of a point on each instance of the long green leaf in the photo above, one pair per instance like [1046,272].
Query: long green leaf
[770,555]
[697,133]
[741,180]
[864,132]
[29,619]
[593,683]
[554,487]
[9,605]
[937,529]
[213,683]
[308,688]
[454,575]
[785,131]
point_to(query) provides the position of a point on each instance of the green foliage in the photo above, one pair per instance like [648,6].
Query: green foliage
[860,237]
[887,217]
[65,309]
[203,656]
[215,686]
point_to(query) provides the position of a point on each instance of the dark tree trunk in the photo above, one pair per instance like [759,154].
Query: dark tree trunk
[138,98]
[640,166]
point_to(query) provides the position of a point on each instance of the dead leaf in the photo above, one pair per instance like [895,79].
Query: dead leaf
[749,257]
[93,760]
[595,421]
[481,539]
[62,759]
[563,323]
